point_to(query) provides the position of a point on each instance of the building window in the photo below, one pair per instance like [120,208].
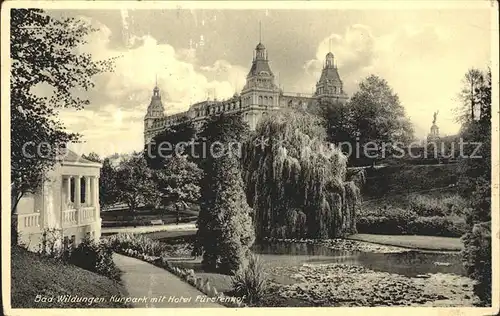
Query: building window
[271,100]
[290,103]
[260,100]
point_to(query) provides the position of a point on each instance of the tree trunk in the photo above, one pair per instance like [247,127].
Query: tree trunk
[16,197]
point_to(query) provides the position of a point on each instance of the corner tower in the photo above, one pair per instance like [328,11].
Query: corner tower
[260,91]
[330,85]
[155,111]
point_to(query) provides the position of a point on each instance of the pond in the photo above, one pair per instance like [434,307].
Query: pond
[408,263]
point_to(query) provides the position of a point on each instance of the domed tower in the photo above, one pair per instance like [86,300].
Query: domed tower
[330,85]
[260,91]
[155,111]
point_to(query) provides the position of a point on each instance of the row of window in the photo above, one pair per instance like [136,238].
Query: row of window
[221,108]
[335,90]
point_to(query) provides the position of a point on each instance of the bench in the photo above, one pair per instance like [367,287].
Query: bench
[156,222]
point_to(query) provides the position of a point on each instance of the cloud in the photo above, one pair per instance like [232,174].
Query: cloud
[419,62]
[120,99]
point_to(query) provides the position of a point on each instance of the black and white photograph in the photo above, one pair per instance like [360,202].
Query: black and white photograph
[246,155]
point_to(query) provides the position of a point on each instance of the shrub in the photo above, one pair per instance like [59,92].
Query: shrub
[250,281]
[425,205]
[96,257]
[136,242]
[477,259]
[399,221]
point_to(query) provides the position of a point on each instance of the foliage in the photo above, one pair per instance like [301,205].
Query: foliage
[289,166]
[44,57]
[225,231]
[137,242]
[425,205]
[51,243]
[134,181]
[178,182]
[377,117]
[250,281]
[470,95]
[338,123]
[96,257]
[108,192]
[396,221]
[170,143]
[92,157]
[475,185]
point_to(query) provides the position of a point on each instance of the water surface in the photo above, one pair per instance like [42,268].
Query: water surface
[409,263]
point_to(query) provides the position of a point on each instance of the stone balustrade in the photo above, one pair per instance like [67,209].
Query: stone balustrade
[29,221]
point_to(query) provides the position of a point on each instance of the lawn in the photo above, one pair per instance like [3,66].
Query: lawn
[412,241]
[33,275]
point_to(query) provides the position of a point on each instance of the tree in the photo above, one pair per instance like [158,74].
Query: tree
[168,143]
[296,182]
[108,193]
[378,118]
[43,51]
[134,181]
[92,157]
[472,82]
[178,183]
[337,122]
[225,232]
[475,185]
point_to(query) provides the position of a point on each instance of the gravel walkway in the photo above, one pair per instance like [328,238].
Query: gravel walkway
[150,286]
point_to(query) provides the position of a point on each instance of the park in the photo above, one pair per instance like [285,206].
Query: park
[291,219]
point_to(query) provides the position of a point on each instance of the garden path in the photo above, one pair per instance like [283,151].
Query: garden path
[144,280]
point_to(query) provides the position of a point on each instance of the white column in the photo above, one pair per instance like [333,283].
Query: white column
[88,197]
[97,208]
[68,189]
[78,190]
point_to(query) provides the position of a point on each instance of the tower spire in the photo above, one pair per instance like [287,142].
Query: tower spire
[156,80]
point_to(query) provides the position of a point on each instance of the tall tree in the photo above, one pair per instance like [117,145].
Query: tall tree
[134,181]
[473,80]
[475,185]
[337,122]
[108,193]
[296,183]
[44,51]
[225,231]
[378,118]
[168,144]
[178,183]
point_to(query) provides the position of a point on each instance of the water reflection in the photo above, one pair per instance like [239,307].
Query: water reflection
[410,263]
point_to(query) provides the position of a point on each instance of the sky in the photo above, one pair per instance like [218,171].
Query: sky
[423,55]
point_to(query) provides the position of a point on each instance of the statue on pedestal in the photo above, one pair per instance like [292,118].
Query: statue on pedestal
[435,116]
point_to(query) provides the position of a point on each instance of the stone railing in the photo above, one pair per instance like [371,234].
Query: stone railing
[29,221]
[70,217]
[80,216]
[86,214]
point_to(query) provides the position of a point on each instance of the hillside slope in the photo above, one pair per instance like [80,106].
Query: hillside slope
[33,275]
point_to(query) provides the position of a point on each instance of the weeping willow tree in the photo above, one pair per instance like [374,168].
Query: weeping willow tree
[296,181]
